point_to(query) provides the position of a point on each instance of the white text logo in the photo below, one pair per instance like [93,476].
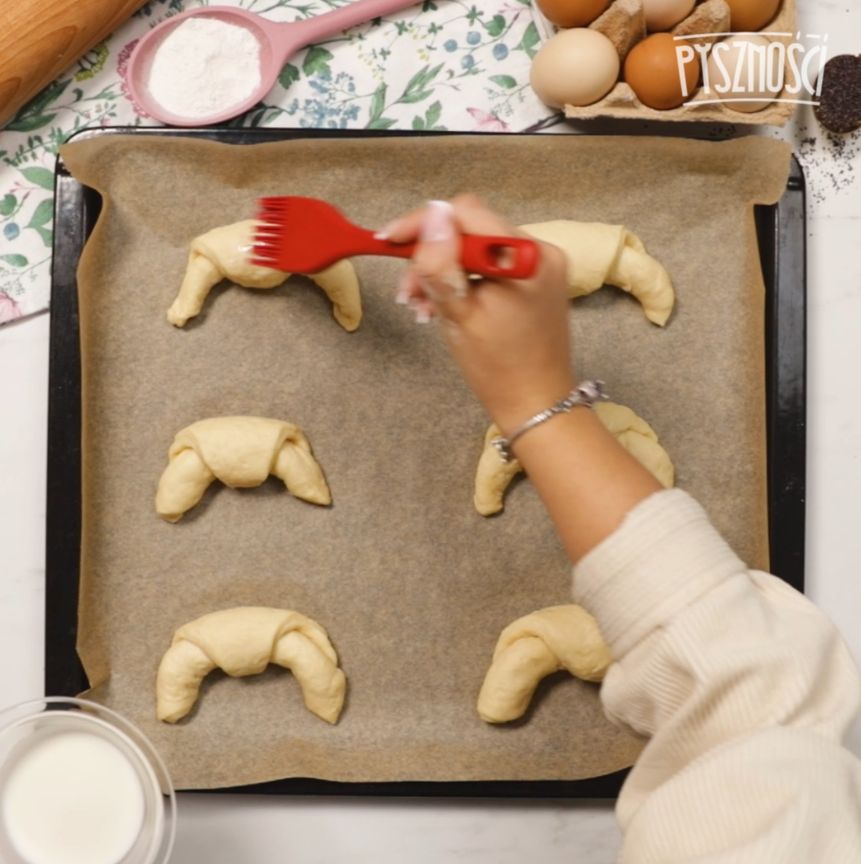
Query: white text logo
[754,68]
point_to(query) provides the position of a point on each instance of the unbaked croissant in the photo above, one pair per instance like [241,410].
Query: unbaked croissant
[601,254]
[224,253]
[240,452]
[493,476]
[535,646]
[639,439]
[243,641]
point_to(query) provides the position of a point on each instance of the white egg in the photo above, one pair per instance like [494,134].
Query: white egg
[575,67]
[665,14]
[747,68]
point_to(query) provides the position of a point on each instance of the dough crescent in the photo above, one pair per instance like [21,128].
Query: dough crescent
[639,439]
[240,452]
[493,476]
[243,641]
[223,253]
[601,254]
[535,646]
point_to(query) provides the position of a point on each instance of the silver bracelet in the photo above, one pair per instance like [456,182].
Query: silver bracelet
[586,394]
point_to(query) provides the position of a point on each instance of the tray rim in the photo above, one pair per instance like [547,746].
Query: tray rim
[76,208]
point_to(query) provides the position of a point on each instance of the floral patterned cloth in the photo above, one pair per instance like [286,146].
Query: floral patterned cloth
[442,64]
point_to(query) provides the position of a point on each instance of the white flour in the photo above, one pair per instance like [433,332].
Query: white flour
[205,66]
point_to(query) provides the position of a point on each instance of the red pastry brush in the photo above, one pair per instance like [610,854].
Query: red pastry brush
[306,235]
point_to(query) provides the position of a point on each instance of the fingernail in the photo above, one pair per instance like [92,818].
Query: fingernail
[386,231]
[437,225]
[422,316]
[402,295]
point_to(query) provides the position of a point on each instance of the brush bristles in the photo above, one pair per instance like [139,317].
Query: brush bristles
[267,231]
[265,246]
[277,219]
[273,209]
[277,202]
[270,218]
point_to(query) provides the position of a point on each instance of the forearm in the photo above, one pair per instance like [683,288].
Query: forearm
[742,686]
[587,481]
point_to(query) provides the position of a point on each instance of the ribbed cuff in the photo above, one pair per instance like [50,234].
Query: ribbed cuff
[664,556]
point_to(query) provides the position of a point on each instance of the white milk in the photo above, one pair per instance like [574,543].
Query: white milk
[72,798]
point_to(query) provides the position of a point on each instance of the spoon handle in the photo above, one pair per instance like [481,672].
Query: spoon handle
[295,35]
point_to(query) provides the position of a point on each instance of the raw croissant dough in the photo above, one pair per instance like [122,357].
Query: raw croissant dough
[223,253]
[493,475]
[601,254]
[240,452]
[535,646]
[639,439]
[243,641]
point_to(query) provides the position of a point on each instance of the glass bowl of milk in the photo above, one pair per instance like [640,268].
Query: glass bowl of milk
[79,784]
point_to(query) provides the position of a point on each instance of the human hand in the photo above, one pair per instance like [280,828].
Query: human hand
[509,338]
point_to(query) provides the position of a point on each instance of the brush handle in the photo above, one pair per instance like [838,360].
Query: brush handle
[494,257]
[305,235]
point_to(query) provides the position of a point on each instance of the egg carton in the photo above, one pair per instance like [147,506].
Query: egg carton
[623,23]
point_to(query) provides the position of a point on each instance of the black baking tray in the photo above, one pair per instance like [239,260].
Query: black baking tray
[782,242]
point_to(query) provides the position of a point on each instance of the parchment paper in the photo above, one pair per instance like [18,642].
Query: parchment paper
[411,583]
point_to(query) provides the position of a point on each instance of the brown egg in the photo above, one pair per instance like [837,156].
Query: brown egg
[665,14]
[572,13]
[751,14]
[652,71]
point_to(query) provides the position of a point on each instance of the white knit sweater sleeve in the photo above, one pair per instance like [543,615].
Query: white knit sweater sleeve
[744,688]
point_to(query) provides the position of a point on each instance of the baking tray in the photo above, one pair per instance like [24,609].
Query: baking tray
[781,230]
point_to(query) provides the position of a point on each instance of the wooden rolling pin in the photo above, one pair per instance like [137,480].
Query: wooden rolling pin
[40,39]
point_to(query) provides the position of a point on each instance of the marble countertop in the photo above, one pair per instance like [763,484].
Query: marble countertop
[227,829]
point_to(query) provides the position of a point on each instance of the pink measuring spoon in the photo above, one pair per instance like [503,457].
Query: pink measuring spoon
[278,42]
